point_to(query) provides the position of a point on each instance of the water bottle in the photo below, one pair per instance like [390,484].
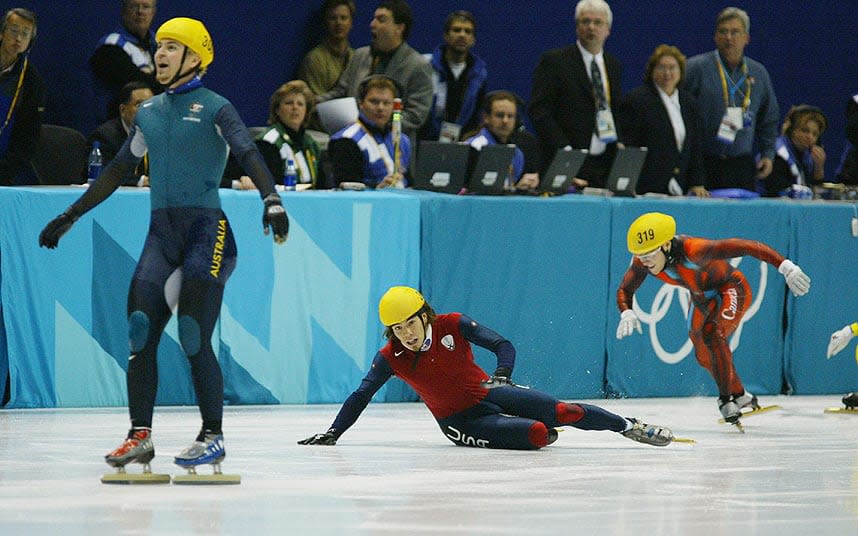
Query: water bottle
[95,163]
[290,178]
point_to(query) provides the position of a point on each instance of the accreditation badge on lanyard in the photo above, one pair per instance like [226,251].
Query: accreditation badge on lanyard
[605,128]
[735,117]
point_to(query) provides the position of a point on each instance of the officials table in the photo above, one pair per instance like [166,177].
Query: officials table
[299,322]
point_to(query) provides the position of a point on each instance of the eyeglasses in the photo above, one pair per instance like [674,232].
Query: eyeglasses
[666,68]
[726,32]
[598,23]
[17,31]
[649,256]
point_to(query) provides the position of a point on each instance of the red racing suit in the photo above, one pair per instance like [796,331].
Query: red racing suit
[720,294]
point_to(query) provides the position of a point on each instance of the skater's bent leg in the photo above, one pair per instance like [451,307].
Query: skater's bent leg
[199,306]
[536,405]
[148,314]
[483,426]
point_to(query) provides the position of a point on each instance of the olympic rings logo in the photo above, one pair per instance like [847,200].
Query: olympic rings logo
[663,301]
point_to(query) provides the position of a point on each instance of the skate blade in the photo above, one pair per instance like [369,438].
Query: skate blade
[763,409]
[853,411]
[135,478]
[202,480]
[687,440]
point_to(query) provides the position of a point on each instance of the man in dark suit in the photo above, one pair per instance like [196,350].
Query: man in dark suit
[112,134]
[574,89]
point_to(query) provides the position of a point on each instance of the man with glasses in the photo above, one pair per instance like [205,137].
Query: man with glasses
[125,55]
[575,90]
[738,105]
[22,96]
[719,292]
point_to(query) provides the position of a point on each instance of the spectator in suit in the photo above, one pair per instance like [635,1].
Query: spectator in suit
[365,151]
[113,133]
[322,66]
[738,106]
[22,97]
[500,123]
[665,119]
[389,54]
[126,54]
[799,158]
[458,80]
[574,91]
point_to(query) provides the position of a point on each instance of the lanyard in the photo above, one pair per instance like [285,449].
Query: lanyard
[15,98]
[735,87]
[383,153]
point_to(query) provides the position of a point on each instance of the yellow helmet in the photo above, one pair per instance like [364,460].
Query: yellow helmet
[399,304]
[191,33]
[649,232]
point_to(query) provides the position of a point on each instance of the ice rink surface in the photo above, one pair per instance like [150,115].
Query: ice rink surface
[794,471]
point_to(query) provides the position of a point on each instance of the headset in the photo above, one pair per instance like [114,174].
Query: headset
[796,112]
[363,88]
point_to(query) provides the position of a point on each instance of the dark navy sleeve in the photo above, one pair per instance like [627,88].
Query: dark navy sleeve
[488,339]
[379,373]
[242,146]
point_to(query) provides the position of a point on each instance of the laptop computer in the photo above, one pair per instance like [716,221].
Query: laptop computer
[493,165]
[557,179]
[626,170]
[441,166]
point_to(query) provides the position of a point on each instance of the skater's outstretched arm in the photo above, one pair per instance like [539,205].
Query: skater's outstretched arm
[379,373]
[840,338]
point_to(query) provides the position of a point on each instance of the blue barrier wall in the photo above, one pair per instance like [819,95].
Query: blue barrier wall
[299,324]
[808,48]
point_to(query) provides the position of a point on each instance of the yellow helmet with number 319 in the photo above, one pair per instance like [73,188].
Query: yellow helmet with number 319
[650,231]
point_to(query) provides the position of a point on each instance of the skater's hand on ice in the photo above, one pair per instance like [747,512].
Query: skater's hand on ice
[796,280]
[839,340]
[328,438]
[275,218]
[628,323]
[55,229]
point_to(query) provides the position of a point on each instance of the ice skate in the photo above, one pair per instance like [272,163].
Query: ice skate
[729,410]
[851,401]
[738,407]
[747,400]
[211,451]
[137,448]
[658,436]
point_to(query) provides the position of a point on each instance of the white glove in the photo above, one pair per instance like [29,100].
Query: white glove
[796,280]
[628,323]
[839,340]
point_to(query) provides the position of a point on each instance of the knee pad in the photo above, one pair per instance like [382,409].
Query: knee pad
[568,413]
[189,335]
[538,434]
[138,330]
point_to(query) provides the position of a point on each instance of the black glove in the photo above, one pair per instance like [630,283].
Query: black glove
[275,218]
[55,229]
[328,438]
[500,378]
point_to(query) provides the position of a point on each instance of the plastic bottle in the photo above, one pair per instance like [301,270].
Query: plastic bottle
[95,163]
[290,178]
[396,132]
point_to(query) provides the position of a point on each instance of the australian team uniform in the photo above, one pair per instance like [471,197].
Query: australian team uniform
[470,411]
[187,132]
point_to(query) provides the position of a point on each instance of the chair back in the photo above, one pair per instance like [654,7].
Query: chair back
[60,156]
